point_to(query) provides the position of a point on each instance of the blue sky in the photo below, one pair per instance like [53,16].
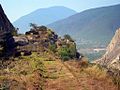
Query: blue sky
[17,8]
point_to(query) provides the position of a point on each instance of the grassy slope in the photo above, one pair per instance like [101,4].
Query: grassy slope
[37,72]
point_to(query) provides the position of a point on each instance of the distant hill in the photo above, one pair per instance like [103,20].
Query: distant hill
[95,26]
[43,16]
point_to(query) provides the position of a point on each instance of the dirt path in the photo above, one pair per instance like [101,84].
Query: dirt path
[61,77]
[67,76]
[71,71]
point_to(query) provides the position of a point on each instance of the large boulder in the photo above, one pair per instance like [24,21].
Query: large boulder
[21,40]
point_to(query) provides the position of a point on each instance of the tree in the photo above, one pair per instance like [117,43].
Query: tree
[66,36]
[33,26]
[68,52]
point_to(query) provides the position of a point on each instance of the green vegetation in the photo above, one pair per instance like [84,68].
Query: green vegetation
[67,52]
[30,68]
[47,39]
[67,36]
[33,26]
[49,31]
[64,53]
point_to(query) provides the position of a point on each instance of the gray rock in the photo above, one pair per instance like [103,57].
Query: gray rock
[21,40]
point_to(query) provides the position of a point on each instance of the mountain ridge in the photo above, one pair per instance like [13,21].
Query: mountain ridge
[43,16]
[86,24]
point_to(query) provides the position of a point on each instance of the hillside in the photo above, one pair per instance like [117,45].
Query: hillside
[93,26]
[43,16]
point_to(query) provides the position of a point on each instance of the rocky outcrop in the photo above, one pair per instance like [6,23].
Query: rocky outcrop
[39,38]
[42,39]
[6,38]
[111,59]
[5,24]
[21,40]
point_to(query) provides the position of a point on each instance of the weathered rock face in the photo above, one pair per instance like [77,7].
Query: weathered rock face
[21,40]
[111,59]
[6,39]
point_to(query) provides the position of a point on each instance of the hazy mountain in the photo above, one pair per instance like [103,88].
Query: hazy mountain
[93,25]
[43,16]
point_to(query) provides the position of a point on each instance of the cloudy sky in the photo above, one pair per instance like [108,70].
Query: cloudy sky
[17,8]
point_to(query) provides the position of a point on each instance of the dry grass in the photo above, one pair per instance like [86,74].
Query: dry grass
[26,71]
[29,72]
[96,72]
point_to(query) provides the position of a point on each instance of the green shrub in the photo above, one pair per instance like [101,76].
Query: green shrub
[65,58]
[67,53]
[68,37]
[49,31]
[72,50]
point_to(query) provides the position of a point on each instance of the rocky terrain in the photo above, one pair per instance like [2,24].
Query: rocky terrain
[42,39]
[111,59]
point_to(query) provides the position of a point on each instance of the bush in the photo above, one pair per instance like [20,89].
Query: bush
[49,31]
[68,37]
[72,50]
[63,51]
[67,53]
[65,58]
